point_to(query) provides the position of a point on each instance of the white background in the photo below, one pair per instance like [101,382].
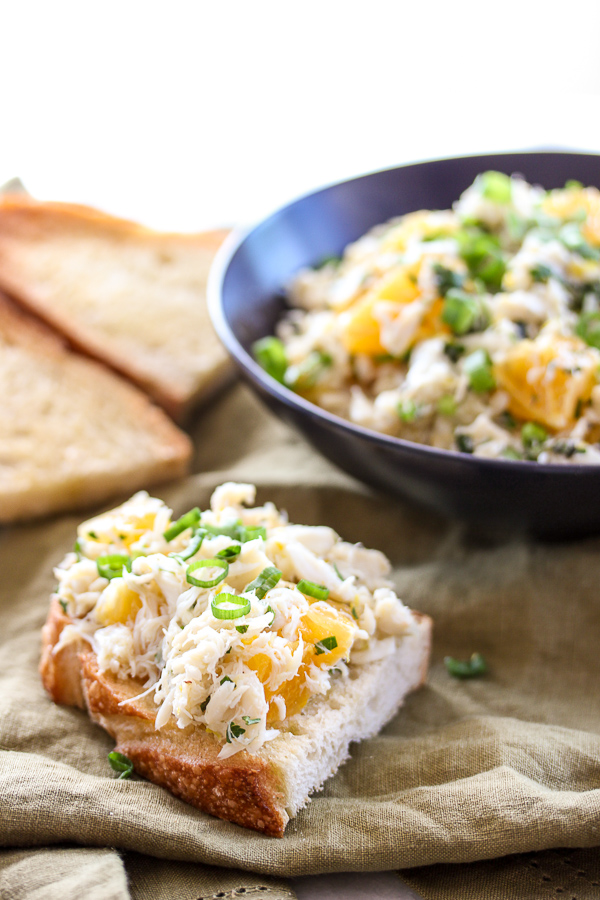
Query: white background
[187,115]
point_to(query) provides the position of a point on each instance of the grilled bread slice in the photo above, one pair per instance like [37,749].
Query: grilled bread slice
[72,433]
[132,297]
[261,791]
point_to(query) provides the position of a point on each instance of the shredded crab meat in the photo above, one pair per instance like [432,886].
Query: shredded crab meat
[241,652]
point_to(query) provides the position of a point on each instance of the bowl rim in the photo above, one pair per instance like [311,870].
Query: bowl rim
[218,272]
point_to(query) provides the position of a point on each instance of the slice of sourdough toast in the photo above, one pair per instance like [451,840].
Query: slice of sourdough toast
[132,297]
[72,433]
[259,791]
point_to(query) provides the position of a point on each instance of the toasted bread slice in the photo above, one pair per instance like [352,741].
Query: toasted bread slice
[260,791]
[72,433]
[129,296]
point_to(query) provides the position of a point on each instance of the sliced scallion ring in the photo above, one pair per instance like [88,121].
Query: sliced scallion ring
[318,591]
[229,606]
[187,520]
[212,563]
[231,553]
[193,546]
[267,579]
[112,565]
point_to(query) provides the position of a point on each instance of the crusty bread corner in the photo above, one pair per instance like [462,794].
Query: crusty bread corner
[72,433]
[259,791]
[132,297]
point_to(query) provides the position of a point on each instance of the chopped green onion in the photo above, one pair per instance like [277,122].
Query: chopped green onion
[570,235]
[272,611]
[326,644]
[495,186]
[567,448]
[193,546]
[407,410]
[483,256]
[241,628]
[252,532]
[304,375]
[588,328]
[446,405]
[269,352]
[93,535]
[454,351]
[473,668]
[354,613]
[234,731]
[573,185]
[63,603]
[506,420]
[225,679]
[447,278]
[478,366]
[231,553]
[328,261]
[77,547]
[511,453]
[250,721]
[112,565]
[318,591]
[187,520]
[229,606]
[212,563]
[464,312]
[204,704]
[533,435]
[267,579]
[540,273]
[120,763]
[338,573]
[464,442]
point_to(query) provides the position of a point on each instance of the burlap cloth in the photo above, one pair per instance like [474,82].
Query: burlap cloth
[469,770]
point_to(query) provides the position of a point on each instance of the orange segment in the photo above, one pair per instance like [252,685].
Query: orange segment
[546,378]
[117,604]
[361,329]
[318,622]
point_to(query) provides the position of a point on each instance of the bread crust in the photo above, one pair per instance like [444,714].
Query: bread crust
[26,224]
[243,789]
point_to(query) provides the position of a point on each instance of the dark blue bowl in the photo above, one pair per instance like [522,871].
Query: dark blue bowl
[245,298]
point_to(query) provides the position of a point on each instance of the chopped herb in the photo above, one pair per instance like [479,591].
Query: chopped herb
[112,565]
[261,585]
[331,260]
[464,443]
[472,668]
[234,731]
[511,453]
[269,353]
[63,603]
[588,328]
[212,563]
[310,589]
[249,721]
[506,420]
[229,606]
[407,411]
[454,351]
[532,435]
[540,273]
[187,520]
[478,366]
[304,375]
[326,644]
[241,628]
[120,763]
[446,405]
[225,679]
[464,312]
[447,278]
[495,186]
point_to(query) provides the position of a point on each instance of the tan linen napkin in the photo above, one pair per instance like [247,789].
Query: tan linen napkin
[468,771]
